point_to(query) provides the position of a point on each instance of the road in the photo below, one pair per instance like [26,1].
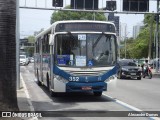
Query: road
[129,95]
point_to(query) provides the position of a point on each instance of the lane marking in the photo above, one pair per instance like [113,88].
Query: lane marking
[28,97]
[129,106]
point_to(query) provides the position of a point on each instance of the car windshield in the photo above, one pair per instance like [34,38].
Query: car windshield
[22,57]
[127,63]
[85,50]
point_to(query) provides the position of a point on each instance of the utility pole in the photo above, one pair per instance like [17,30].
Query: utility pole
[119,41]
[17,45]
[150,40]
[125,38]
[157,36]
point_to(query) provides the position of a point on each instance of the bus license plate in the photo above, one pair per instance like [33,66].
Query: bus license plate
[86,88]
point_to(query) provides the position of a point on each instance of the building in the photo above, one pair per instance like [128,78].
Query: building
[136,29]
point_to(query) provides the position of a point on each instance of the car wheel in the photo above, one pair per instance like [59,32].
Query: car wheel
[138,78]
[119,75]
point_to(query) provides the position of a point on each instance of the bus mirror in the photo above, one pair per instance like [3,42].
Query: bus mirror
[51,39]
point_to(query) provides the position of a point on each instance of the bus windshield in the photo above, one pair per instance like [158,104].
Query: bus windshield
[83,50]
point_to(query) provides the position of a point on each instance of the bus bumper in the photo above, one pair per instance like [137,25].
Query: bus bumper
[84,87]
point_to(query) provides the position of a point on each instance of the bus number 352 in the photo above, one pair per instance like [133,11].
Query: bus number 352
[73,78]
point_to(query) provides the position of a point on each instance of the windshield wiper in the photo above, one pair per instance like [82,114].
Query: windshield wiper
[98,39]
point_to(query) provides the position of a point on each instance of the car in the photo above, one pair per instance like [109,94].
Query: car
[128,69]
[32,59]
[24,60]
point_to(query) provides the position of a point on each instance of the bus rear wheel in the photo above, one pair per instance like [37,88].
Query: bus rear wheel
[38,82]
[97,93]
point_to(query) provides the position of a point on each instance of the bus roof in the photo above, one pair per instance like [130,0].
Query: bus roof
[69,21]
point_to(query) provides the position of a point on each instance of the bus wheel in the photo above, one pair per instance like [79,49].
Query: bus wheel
[38,82]
[52,94]
[97,93]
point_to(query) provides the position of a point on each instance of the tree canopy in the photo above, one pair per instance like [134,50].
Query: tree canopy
[139,47]
[72,15]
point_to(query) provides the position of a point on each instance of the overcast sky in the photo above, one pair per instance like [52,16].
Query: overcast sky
[33,20]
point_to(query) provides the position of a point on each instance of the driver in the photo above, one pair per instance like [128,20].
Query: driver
[146,63]
[145,66]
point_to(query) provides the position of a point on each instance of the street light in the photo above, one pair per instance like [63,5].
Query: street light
[125,41]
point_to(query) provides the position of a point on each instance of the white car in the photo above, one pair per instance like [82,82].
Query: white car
[32,60]
[23,60]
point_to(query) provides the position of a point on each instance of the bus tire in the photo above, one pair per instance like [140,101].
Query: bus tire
[97,93]
[38,82]
[52,94]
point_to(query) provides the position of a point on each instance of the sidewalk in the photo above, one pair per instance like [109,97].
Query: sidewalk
[24,102]
[155,74]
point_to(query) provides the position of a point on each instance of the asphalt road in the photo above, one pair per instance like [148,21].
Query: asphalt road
[129,95]
[143,94]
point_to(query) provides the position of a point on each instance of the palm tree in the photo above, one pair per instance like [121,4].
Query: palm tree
[8,94]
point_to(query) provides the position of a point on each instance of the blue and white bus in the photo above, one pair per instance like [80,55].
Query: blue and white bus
[76,56]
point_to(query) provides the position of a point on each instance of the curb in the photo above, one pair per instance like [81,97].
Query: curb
[156,75]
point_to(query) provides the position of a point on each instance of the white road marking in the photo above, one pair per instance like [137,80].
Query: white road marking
[129,106]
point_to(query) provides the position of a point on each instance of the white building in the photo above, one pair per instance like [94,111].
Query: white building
[136,29]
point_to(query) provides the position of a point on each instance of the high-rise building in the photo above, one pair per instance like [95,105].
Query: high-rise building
[136,30]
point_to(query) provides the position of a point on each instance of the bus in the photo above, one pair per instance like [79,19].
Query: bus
[76,56]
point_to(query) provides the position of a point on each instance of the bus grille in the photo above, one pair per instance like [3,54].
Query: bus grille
[86,73]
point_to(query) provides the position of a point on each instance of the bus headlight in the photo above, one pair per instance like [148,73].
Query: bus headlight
[61,79]
[111,83]
[111,78]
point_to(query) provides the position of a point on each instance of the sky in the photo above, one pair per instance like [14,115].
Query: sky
[34,20]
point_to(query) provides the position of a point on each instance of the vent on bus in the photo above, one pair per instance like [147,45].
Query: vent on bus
[86,73]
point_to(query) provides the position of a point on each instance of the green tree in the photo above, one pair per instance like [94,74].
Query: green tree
[150,22]
[37,32]
[31,39]
[139,47]
[8,93]
[30,50]
[72,15]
